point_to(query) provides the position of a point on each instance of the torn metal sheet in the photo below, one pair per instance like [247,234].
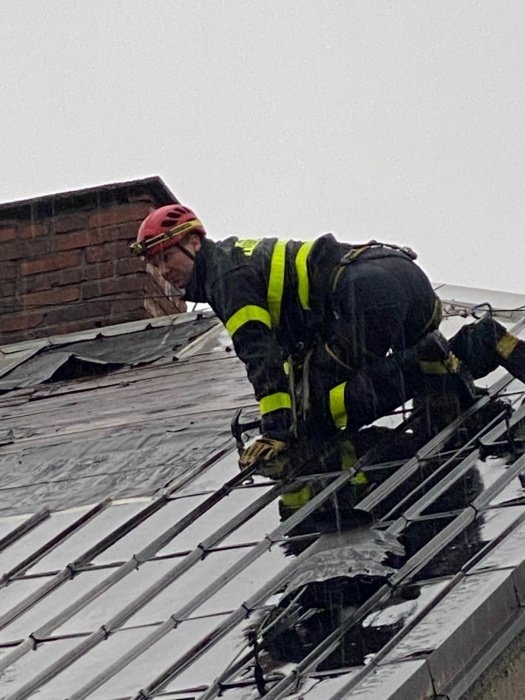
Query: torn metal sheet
[361,552]
[46,367]
[88,357]
[8,361]
[341,572]
[142,346]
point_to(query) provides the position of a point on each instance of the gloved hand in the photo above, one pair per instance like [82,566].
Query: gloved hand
[269,453]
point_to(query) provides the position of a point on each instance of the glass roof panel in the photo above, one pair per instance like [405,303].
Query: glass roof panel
[147,531]
[33,663]
[89,665]
[216,516]
[88,535]
[152,662]
[51,605]
[247,582]
[265,521]
[215,660]
[189,586]
[34,539]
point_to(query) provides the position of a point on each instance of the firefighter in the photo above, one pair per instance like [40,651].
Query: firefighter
[358,322]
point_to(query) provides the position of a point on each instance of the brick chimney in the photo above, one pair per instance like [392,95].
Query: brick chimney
[65,263]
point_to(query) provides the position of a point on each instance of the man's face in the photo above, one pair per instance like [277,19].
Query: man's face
[174,266]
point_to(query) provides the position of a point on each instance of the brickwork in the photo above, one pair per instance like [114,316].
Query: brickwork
[65,263]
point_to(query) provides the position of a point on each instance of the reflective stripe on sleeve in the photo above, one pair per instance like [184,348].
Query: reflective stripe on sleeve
[303,283]
[246,314]
[337,406]
[276,282]
[274,402]
[506,345]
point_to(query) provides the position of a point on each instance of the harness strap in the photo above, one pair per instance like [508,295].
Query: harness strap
[435,317]
[359,248]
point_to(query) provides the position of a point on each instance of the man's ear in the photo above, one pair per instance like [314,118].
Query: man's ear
[195,241]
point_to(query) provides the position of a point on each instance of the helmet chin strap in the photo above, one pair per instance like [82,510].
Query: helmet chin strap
[185,251]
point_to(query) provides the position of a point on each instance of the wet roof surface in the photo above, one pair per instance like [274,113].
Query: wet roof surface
[138,563]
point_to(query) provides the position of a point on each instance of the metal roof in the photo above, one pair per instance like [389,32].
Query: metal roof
[138,563]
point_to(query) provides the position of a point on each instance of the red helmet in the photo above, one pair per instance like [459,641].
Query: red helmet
[165,227]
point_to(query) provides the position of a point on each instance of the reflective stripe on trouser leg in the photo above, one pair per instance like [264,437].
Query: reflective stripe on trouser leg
[368,395]
[297,499]
[338,406]
[448,366]
[348,458]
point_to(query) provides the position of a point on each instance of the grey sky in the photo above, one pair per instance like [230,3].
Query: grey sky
[401,121]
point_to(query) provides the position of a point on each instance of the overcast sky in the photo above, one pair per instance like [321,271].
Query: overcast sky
[398,120]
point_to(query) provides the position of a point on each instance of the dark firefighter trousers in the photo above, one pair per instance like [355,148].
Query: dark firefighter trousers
[380,301]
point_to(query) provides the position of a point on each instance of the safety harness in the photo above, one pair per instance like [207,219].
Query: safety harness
[358,249]
[270,313]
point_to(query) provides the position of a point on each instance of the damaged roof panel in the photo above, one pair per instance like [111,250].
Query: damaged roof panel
[139,343]
[192,586]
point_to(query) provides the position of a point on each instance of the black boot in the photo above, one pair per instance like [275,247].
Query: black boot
[485,345]
[433,347]
[444,389]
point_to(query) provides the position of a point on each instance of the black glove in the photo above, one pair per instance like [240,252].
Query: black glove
[269,454]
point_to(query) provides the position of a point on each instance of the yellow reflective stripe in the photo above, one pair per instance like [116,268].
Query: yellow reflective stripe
[246,314]
[303,283]
[437,367]
[274,402]
[297,499]
[448,366]
[276,282]
[360,479]
[506,345]
[348,455]
[248,245]
[337,406]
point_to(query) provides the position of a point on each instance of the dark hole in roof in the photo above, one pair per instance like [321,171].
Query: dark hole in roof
[77,368]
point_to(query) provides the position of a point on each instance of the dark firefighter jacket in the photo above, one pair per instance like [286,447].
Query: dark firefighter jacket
[271,296]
